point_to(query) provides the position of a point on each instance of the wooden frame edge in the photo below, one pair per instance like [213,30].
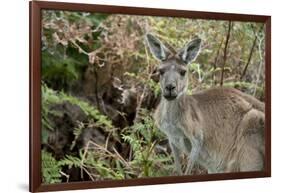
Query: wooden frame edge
[268,96]
[151,181]
[149,11]
[35,98]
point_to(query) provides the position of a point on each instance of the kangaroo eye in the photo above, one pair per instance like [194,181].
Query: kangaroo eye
[182,72]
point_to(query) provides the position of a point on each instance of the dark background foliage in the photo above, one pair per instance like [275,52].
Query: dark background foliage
[100,88]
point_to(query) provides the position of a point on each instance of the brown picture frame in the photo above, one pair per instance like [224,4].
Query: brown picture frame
[35,177]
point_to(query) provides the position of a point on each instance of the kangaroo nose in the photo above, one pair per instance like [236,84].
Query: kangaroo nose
[170,87]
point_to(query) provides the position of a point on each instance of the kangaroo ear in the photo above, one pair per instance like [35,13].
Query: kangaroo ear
[157,48]
[190,51]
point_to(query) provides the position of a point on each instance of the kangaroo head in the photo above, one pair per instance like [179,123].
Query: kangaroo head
[173,66]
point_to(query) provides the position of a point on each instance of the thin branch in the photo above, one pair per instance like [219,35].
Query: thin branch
[250,56]
[66,175]
[116,156]
[225,51]
[81,50]
[249,59]
[107,140]
[121,158]
[96,89]
[260,65]
[89,174]
[216,61]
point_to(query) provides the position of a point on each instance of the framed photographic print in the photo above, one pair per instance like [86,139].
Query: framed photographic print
[123,96]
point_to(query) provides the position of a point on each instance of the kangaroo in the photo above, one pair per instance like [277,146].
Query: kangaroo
[222,129]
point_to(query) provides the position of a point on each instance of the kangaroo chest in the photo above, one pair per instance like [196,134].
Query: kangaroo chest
[170,125]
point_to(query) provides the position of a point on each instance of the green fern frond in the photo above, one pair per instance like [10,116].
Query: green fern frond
[50,168]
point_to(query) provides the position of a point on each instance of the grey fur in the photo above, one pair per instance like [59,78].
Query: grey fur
[222,129]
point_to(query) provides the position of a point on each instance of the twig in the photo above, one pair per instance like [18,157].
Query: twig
[85,152]
[249,58]
[89,174]
[111,154]
[260,65]
[130,154]
[66,175]
[121,158]
[107,140]
[225,51]
[96,89]
[82,160]
[81,50]
[216,61]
